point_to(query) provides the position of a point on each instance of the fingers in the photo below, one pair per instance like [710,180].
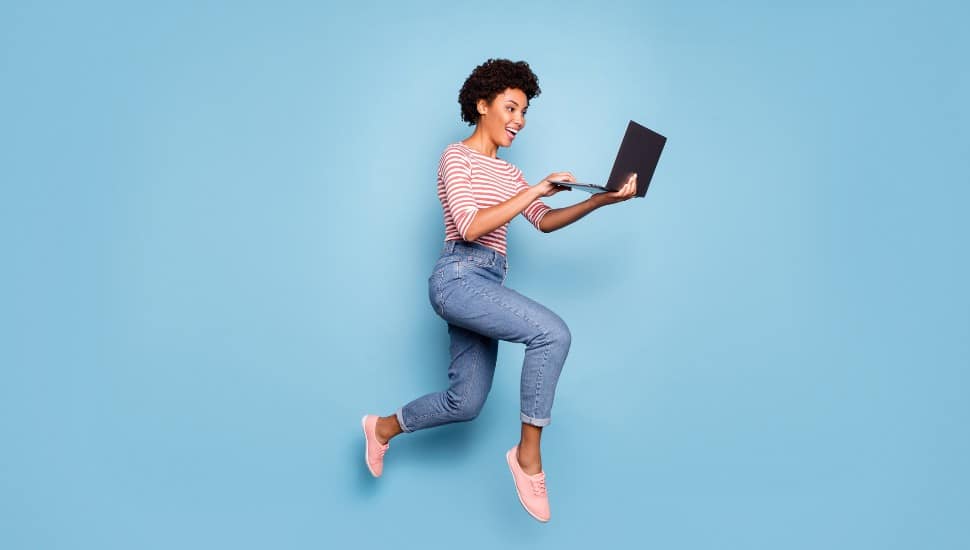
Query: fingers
[628,190]
[561,176]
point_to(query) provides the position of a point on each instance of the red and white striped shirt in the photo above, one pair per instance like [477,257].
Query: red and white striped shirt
[469,180]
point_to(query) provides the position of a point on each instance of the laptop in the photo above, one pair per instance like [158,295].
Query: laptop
[639,152]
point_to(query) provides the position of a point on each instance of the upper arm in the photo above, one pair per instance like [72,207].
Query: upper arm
[455,172]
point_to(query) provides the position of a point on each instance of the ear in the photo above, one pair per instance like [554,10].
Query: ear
[482,107]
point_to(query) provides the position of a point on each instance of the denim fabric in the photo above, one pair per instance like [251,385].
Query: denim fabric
[466,289]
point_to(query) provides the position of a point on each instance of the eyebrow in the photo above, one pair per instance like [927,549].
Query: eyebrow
[516,103]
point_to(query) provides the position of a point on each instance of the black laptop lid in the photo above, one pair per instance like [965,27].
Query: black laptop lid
[639,152]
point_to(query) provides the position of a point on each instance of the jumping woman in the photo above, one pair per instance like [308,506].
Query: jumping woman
[480,194]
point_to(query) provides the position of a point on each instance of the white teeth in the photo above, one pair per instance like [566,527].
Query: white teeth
[513,132]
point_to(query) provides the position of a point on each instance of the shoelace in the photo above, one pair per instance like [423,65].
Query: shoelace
[539,484]
[382,449]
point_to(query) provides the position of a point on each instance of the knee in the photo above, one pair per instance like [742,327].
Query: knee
[557,333]
[464,408]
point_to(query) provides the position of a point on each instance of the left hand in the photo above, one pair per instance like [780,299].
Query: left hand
[628,190]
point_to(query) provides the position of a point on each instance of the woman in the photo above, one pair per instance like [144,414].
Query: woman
[479,195]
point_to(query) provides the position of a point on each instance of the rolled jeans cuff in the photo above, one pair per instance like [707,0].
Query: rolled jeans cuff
[540,422]
[400,420]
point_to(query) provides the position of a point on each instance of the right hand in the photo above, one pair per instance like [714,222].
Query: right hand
[546,188]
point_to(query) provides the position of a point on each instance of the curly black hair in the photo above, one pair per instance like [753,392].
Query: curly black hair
[491,78]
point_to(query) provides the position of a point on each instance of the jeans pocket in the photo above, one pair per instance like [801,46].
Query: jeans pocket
[469,264]
[478,260]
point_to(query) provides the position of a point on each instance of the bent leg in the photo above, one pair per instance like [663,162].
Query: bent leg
[470,376]
[501,313]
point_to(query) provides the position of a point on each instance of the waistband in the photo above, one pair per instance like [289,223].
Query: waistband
[473,248]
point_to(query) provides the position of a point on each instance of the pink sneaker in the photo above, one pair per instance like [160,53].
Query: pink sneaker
[530,488]
[373,450]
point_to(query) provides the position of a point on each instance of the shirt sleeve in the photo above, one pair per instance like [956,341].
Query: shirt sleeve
[455,171]
[537,209]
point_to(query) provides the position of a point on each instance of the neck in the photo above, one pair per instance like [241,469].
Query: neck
[480,142]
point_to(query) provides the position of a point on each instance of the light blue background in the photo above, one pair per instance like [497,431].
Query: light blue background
[218,220]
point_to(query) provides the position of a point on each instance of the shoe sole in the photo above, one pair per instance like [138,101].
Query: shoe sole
[508,459]
[363,425]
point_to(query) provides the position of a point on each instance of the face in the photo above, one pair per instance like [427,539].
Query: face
[504,117]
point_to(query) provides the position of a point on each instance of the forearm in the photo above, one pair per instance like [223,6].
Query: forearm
[561,217]
[489,219]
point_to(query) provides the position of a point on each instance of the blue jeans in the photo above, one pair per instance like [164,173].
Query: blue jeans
[466,290]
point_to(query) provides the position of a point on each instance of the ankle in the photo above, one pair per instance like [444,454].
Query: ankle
[530,461]
[531,467]
[386,428]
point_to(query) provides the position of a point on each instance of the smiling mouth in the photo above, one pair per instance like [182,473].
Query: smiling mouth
[511,132]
